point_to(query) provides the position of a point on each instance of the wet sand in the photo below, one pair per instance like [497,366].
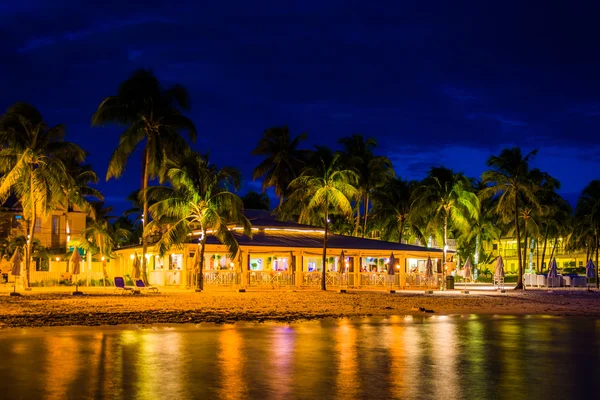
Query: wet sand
[39,309]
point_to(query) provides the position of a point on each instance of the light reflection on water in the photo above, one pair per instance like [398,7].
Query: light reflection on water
[465,357]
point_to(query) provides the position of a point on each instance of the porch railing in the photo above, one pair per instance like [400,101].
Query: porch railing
[270,278]
[220,278]
[420,280]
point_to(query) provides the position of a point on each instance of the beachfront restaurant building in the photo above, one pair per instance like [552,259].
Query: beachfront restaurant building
[287,255]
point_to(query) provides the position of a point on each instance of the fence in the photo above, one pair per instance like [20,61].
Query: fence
[269,279]
[55,278]
[420,280]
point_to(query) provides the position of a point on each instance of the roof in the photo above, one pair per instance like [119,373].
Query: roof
[268,231]
[296,239]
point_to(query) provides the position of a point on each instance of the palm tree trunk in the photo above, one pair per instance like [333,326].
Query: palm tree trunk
[553,248]
[357,222]
[445,250]
[323,272]
[597,278]
[366,214]
[200,276]
[519,263]
[401,233]
[29,249]
[526,247]
[145,215]
[544,249]
[537,255]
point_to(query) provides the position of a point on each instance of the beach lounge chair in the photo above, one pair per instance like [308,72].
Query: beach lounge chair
[141,286]
[120,285]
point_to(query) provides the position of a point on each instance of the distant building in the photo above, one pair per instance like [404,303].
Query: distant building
[507,248]
[53,232]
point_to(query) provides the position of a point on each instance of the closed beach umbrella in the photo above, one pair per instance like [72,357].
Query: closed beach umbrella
[16,263]
[392,265]
[76,262]
[590,272]
[467,269]
[552,272]
[342,263]
[429,269]
[136,273]
[499,273]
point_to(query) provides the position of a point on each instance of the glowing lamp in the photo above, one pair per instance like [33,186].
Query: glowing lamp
[57,259]
[132,256]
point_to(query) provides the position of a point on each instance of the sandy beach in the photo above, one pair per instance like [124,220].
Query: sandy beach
[39,309]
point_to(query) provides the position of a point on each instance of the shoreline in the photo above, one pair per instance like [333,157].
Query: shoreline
[53,309]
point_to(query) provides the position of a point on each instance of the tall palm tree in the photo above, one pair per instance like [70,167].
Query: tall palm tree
[393,210]
[153,115]
[321,189]
[283,160]
[509,180]
[32,159]
[100,236]
[449,200]
[588,213]
[372,171]
[198,199]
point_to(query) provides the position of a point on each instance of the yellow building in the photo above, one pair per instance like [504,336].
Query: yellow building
[286,254]
[507,248]
[53,232]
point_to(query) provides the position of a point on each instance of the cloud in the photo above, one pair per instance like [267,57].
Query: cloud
[507,122]
[97,28]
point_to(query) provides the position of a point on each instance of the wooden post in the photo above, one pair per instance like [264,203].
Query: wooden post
[244,269]
[402,271]
[357,267]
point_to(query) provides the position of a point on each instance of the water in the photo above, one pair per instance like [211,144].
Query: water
[399,357]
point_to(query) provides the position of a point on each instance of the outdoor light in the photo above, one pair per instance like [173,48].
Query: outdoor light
[231,264]
[102,258]
[57,259]
[132,256]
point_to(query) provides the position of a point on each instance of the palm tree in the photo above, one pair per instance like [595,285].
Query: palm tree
[152,114]
[32,160]
[283,160]
[588,213]
[100,236]
[321,189]
[448,199]
[372,171]
[509,179]
[197,199]
[393,210]
[256,201]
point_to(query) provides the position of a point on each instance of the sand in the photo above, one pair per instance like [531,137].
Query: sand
[62,309]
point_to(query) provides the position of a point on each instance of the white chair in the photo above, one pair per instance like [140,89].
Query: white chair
[566,280]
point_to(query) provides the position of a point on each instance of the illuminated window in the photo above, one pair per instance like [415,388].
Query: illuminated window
[256,264]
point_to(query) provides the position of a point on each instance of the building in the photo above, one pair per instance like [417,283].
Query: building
[53,232]
[507,248]
[287,254]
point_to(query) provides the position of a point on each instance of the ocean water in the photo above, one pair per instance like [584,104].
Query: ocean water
[439,357]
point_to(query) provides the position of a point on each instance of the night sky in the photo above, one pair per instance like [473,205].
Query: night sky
[436,82]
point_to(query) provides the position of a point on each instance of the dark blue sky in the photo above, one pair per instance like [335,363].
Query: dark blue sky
[435,82]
